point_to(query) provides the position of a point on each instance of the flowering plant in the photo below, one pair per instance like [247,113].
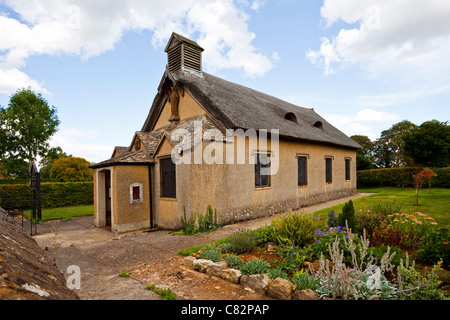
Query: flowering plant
[327,237]
[415,226]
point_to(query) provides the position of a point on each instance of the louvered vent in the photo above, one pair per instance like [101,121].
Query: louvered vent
[175,58]
[184,54]
[192,58]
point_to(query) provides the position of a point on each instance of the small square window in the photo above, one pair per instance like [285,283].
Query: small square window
[136,193]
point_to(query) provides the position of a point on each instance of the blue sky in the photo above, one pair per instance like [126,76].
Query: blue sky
[362,64]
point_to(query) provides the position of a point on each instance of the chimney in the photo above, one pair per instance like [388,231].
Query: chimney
[184,54]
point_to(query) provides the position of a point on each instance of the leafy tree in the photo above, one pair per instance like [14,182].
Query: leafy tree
[72,169]
[47,163]
[26,126]
[366,143]
[429,144]
[15,168]
[389,148]
[364,156]
[363,163]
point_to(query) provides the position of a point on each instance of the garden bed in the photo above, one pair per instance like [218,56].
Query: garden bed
[335,262]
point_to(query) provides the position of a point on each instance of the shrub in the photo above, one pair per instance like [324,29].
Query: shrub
[53,195]
[305,281]
[265,234]
[233,261]
[211,254]
[332,219]
[243,241]
[435,246]
[348,216]
[208,222]
[188,225]
[386,234]
[400,177]
[255,267]
[296,229]
[205,223]
[369,221]
[292,257]
[326,238]
[413,285]
[414,226]
[278,273]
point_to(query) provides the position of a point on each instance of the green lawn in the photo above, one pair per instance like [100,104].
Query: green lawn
[65,213]
[436,204]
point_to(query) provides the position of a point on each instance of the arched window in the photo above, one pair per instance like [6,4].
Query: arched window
[291,117]
[318,124]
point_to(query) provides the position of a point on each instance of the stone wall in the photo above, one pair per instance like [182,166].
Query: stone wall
[25,271]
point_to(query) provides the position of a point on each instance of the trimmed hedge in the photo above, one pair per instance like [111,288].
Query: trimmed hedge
[401,177]
[53,195]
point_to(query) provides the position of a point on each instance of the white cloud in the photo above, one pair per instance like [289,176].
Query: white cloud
[80,144]
[89,28]
[407,36]
[363,122]
[370,115]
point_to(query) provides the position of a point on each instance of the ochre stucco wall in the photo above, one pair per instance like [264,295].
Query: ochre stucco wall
[130,216]
[188,108]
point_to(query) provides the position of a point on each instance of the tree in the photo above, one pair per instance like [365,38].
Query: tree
[366,144]
[429,144]
[389,148]
[364,156]
[47,163]
[27,125]
[72,169]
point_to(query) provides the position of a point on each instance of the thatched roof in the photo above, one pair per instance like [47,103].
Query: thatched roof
[234,106]
[228,106]
[150,142]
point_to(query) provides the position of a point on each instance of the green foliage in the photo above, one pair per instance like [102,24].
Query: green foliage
[123,274]
[234,261]
[208,222]
[305,281]
[292,257]
[198,222]
[71,169]
[211,254]
[435,246]
[243,241]
[429,144]
[332,219]
[278,272]
[400,177]
[27,125]
[414,285]
[348,216]
[53,195]
[324,239]
[296,229]
[188,224]
[265,234]
[378,252]
[165,294]
[256,266]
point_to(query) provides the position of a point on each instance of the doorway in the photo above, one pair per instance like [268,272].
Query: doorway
[104,217]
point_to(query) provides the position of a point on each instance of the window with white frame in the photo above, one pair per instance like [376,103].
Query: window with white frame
[136,193]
